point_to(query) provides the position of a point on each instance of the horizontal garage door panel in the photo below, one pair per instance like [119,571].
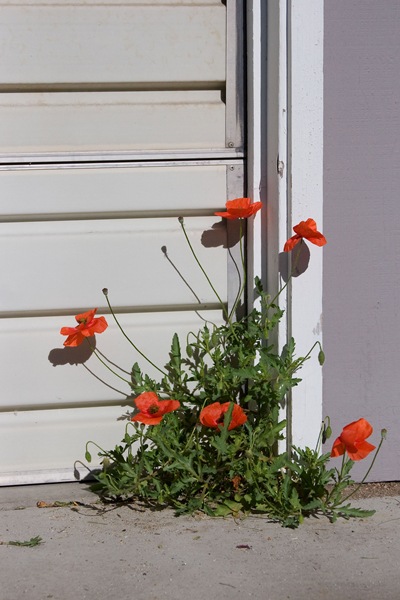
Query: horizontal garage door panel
[33,347]
[34,442]
[75,191]
[66,262]
[69,42]
[111,121]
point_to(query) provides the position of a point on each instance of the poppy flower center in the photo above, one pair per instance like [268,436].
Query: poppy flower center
[153,409]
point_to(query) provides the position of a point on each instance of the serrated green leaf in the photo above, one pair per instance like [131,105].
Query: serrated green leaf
[234,506]
[351,511]
[222,510]
[34,541]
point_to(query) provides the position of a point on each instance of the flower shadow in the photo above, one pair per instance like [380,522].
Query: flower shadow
[299,263]
[72,355]
[222,234]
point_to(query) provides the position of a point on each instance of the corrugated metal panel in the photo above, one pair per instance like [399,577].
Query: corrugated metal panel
[34,346]
[40,444]
[56,420]
[103,81]
[57,264]
[91,42]
[89,121]
[118,189]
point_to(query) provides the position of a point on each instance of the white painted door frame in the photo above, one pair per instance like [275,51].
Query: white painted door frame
[285,171]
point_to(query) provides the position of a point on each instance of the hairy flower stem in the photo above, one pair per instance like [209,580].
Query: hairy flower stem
[104,382]
[97,446]
[326,423]
[182,224]
[106,365]
[317,343]
[366,474]
[292,271]
[243,283]
[105,292]
[112,363]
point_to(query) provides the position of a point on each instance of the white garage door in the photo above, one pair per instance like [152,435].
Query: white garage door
[115,119]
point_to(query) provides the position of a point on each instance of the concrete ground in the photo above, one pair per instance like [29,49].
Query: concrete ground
[128,554]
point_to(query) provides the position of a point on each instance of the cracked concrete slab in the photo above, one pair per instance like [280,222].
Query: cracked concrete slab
[125,552]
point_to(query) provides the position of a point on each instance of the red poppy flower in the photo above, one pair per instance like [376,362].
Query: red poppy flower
[152,409]
[352,440]
[88,326]
[240,208]
[308,230]
[213,415]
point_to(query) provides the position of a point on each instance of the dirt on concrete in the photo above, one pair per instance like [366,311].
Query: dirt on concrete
[94,552]
[374,490]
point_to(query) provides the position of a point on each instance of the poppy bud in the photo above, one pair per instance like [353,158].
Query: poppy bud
[326,434]
[105,291]
[321,357]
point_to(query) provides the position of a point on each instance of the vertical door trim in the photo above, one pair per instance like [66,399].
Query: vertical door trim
[285,170]
[234,92]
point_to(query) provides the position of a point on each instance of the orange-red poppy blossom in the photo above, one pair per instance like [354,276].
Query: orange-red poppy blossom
[213,415]
[307,230]
[352,440]
[88,326]
[240,208]
[152,409]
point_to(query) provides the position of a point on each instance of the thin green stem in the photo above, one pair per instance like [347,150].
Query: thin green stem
[97,446]
[105,292]
[112,363]
[322,437]
[105,383]
[242,283]
[366,474]
[193,430]
[292,271]
[181,221]
[106,365]
[317,343]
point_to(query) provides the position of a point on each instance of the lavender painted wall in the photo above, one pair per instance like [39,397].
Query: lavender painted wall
[362,220]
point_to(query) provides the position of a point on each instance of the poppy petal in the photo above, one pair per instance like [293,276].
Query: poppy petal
[99,325]
[87,326]
[239,208]
[75,339]
[338,448]
[307,230]
[146,419]
[362,451]
[168,406]
[356,431]
[145,400]
[211,414]
[238,417]
[86,317]
[317,238]
[291,243]
[225,215]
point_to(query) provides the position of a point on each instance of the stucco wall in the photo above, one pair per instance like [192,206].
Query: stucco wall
[362,220]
